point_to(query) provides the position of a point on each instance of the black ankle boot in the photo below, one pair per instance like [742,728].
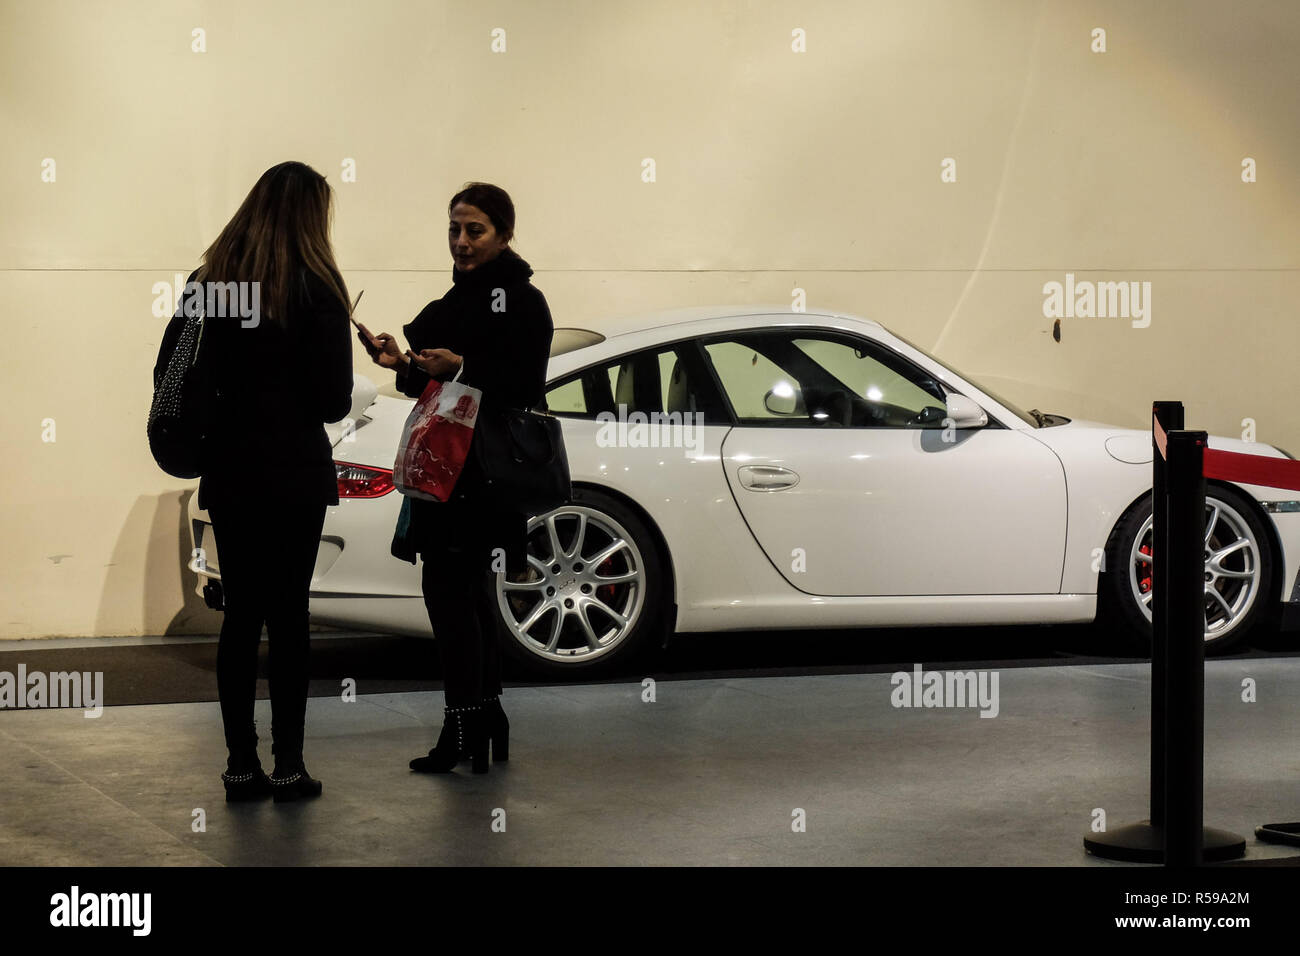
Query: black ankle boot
[444,754]
[250,785]
[464,737]
[289,785]
[498,729]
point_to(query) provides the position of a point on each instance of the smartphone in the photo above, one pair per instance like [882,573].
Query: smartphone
[371,349]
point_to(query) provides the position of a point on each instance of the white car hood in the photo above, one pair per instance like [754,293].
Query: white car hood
[1133,446]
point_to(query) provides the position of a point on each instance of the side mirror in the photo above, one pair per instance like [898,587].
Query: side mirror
[965,413]
[785,400]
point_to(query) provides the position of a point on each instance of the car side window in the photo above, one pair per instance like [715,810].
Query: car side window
[666,381]
[567,399]
[798,377]
[752,381]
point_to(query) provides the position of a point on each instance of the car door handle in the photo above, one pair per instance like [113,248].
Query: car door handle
[767,477]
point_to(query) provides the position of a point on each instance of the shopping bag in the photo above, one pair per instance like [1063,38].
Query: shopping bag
[435,440]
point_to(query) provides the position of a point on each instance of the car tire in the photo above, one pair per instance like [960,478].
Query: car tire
[1243,602]
[569,589]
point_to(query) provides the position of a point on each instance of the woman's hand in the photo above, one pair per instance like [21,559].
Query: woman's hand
[389,354]
[435,362]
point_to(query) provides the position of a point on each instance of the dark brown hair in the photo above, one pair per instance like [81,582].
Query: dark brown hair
[495,203]
[282,226]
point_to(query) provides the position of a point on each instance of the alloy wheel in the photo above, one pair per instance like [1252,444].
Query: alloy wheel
[1232,568]
[583,591]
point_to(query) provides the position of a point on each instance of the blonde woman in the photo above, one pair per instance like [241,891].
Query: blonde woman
[267,469]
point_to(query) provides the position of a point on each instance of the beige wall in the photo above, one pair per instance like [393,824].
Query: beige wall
[775,169]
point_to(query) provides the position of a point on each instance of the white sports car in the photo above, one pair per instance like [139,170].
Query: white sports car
[743,468]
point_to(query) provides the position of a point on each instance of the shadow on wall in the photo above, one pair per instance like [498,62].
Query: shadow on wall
[193,616]
[156,569]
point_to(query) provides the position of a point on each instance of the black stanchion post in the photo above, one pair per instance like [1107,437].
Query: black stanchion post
[1144,842]
[1148,840]
[1170,417]
[1185,730]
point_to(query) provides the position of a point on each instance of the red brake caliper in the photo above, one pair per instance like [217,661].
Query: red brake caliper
[1144,583]
[606,591]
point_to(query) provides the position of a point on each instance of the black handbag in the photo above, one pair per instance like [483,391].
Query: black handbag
[402,546]
[522,455]
[183,398]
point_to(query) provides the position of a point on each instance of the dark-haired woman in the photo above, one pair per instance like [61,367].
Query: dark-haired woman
[495,324]
[268,471]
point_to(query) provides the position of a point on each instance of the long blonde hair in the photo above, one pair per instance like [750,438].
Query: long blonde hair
[282,225]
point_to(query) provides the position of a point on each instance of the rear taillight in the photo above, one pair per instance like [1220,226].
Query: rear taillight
[362,481]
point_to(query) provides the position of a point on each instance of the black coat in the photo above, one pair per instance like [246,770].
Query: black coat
[277,384]
[505,351]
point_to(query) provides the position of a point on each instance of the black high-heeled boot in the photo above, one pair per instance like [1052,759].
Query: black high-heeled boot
[444,754]
[464,737]
[498,729]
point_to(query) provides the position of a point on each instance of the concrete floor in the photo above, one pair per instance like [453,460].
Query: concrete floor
[708,774]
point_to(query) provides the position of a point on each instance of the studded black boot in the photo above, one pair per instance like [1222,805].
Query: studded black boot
[251,784]
[464,737]
[298,784]
[498,729]
[290,780]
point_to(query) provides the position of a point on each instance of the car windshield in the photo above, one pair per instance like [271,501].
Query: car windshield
[1015,409]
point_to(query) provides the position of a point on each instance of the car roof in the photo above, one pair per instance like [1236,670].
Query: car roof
[630,333]
[664,320]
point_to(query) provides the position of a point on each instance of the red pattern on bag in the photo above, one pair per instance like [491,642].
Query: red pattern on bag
[464,407]
[435,441]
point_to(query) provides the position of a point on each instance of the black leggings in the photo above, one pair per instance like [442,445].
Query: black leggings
[266,554]
[460,597]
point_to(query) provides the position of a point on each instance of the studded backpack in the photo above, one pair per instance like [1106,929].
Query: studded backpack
[184,393]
